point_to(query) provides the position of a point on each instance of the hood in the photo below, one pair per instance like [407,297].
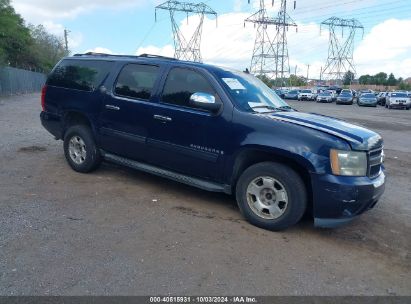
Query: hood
[358,137]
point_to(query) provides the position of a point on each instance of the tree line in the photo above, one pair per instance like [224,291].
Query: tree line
[27,46]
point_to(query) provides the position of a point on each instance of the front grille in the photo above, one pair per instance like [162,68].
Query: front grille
[375,158]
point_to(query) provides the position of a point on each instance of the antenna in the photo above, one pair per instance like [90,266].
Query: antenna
[340,50]
[186,49]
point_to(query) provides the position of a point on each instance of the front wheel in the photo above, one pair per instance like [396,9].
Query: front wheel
[80,149]
[271,196]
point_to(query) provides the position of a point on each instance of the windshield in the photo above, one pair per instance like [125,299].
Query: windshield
[306,91]
[367,95]
[325,94]
[249,93]
[345,94]
[399,95]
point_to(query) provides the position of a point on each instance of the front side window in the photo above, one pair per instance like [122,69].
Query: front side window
[84,75]
[181,84]
[136,81]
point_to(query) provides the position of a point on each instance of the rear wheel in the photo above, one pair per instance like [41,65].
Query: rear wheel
[271,196]
[80,149]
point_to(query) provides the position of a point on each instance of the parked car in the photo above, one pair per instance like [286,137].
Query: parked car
[293,94]
[306,95]
[280,93]
[333,94]
[216,129]
[337,89]
[325,97]
[381,98]
[367,99]
[345,98]
[398,100]
[347,91]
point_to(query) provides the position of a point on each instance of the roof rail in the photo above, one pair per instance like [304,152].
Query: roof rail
[104,55]
[156,56]
[124,56]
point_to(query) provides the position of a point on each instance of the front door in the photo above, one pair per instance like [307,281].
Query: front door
[182,138]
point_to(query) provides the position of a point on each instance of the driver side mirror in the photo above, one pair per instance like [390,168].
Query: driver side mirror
[205,101]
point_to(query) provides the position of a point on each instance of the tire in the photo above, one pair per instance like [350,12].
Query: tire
[270,180]
[80,149]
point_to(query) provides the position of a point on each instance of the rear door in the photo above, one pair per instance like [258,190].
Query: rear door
[125,111]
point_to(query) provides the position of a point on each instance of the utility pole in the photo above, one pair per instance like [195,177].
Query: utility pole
[66,32]
[186,49]
[340,49]
[308,70]
[270,56]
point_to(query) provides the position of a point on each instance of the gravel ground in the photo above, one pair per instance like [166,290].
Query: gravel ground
[122,232]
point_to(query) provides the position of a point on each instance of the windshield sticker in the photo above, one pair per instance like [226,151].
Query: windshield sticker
[234,84]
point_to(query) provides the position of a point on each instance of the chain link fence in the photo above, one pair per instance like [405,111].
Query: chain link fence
[17,81]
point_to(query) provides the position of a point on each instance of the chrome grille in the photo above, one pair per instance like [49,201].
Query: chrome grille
[375,159]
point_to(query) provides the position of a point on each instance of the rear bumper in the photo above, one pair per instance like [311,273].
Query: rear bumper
[339,199]
[52,123]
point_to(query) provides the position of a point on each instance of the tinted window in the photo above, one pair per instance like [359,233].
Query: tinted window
[136,81]
[181,84]
[84,75]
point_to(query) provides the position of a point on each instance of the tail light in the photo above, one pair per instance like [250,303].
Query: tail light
[43,97]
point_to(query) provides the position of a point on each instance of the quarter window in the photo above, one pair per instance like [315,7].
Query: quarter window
[181,84]
[137,81]
[85,75]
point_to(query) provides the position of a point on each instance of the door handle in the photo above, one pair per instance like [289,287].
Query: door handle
[111,107]
[162,118]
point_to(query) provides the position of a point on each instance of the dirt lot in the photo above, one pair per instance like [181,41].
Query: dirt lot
[121,232]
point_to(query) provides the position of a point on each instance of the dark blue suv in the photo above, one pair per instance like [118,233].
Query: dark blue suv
[217,129]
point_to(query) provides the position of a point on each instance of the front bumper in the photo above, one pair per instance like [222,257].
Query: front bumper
[339,199]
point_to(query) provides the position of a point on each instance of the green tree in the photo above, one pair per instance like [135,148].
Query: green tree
[296,81]
[348,78]
[391,81]
[15,39]
[380,78]
[366,79]
[47,49]
[269,82]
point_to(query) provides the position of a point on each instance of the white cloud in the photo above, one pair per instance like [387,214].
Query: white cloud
[40,10]
[386,48]
[100,49]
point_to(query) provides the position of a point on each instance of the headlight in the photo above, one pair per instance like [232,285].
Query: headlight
[348,163]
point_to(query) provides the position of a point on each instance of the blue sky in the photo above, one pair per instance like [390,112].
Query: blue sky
[127,27]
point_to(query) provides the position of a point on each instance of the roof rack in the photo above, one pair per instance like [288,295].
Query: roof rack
[156,56]
[124,56]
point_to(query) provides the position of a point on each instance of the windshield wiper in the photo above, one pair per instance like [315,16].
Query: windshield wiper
[272,109]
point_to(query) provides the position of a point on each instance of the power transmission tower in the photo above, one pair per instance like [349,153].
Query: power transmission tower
[340,50]
[186,49]
[270,55]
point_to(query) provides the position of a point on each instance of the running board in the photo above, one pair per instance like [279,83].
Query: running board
[188,180]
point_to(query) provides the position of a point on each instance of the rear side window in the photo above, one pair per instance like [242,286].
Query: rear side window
[137,81]
[182,83]
[80,74]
